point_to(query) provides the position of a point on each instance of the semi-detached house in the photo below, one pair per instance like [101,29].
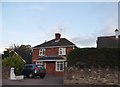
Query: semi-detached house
[53,54]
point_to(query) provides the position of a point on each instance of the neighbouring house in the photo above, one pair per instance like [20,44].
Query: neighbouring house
[53,54]
[109,41]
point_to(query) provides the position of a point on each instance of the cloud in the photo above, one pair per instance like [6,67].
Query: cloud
[108,30]
[109,27]
[80,40]
[61,28]
[85,40]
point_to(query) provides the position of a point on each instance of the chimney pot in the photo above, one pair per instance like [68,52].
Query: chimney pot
[57,36]
[117,33]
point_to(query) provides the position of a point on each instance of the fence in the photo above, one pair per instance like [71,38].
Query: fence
[92,75]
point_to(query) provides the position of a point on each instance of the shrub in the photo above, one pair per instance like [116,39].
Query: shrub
[94,57]
[14,61]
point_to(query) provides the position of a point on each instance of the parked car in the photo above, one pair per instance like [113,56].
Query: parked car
[32,70]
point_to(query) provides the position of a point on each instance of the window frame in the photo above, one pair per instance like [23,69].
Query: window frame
[58,66]
[62,51]
[42,52]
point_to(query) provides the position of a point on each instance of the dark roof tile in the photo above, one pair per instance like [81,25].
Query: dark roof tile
[108,42]
[54,42]
[50,58]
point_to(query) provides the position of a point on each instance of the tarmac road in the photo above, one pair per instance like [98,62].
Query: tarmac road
[48,80]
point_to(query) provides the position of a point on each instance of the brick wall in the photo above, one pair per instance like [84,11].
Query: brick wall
[59,73]
[49,52]
[35,54]
[68,49]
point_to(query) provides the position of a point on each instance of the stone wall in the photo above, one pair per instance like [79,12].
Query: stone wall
[96,76]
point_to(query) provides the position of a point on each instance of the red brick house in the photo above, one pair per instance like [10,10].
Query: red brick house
[52,54]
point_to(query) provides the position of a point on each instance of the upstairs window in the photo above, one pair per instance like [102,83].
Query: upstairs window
[42,52]
[62,51]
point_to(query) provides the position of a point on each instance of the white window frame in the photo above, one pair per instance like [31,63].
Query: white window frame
[42,52]
[62,51]
[58,66]
[45,65]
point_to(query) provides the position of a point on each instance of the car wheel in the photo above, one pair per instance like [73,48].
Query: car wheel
[31,75]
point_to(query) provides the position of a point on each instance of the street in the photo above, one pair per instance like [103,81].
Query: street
[48,80]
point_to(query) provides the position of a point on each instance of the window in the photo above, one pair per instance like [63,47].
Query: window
[62,51]
[42,52]
[41,63]
[59,66]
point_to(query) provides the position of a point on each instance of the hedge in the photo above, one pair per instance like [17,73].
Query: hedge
[94,57]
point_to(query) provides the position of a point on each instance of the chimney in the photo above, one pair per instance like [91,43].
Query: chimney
[57,36]
[117,33]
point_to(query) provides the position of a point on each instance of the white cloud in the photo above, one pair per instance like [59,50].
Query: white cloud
[85,41]
[109,27]
[58,28]
[108,30]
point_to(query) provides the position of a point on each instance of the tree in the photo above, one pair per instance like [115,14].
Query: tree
[24,51]
[6,53]
[14,61]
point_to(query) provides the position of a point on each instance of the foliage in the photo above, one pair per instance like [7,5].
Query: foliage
[94,56]
[14,61]
[23,50]
[5,53]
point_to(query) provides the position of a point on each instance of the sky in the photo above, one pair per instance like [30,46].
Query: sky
[36,22]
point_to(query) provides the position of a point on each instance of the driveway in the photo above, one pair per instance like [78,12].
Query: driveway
[48,80]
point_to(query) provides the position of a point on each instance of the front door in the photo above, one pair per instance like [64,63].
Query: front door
[50,68]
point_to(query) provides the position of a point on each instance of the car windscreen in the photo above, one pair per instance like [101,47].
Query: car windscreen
[41,67]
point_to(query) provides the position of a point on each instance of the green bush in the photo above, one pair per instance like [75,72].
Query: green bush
[94,57]
[14,61]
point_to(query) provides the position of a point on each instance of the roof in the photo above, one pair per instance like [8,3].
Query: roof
[54,42]
[50,58]
[108,42]
[108,37]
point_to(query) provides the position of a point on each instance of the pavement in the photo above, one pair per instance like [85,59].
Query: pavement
[48,80]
